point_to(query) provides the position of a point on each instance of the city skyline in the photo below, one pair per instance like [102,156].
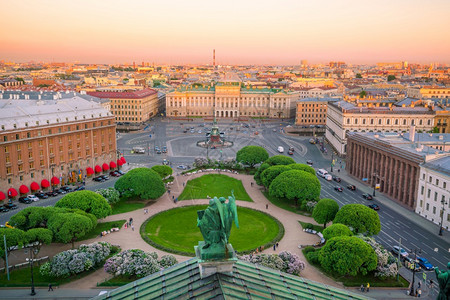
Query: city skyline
[243,33]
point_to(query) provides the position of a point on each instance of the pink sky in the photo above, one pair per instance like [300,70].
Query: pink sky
[242,32]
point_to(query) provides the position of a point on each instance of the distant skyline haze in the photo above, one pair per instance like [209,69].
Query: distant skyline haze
[242,32]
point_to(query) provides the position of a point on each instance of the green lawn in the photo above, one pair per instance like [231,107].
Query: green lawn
[102,227]
[124,206]
[285,204]
[356,281]
[214,185]
[176,230]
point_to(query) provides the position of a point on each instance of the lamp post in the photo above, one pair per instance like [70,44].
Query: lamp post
[374,181]
[413,265]
[332,159]
[31,260]
[442,215]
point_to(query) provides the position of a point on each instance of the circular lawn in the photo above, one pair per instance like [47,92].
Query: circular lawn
[176,230]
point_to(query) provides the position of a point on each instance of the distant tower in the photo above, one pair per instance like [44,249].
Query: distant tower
[134,65]
[214,58]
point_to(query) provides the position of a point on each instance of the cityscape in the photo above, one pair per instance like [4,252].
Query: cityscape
[206,150]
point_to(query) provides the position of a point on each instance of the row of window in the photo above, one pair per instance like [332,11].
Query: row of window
[48,121]
[388,121]
[436,182]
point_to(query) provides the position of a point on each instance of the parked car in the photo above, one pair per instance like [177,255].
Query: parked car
[51,194]
[164,149]
[10,206]
[409,261]
[337,179]
[309,162]
[291,152]
[105,177]
[351,187]
[158,152]
[338,188]
[98,179]
[114,174]
[374,206]
[425,264]
[3,209]
[25,200]
[291,149]
[403,252]
[66,188]
[121,172]
[79,188]
[33,198]
[367,196]
[41,195]
[60,191]
[182,167]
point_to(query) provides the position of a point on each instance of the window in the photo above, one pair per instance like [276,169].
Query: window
[17,136]
[434,209]
[428,207]
[430,179]
[437,182]
[18,147]
[435,196]
[445,185]
[422,188]
[19,156]
[428,193]
[388,121]
[8,170]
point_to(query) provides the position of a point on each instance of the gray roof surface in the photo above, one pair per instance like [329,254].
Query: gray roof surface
[441,165]
[315,99]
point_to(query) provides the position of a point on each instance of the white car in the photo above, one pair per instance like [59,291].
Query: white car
[33,198]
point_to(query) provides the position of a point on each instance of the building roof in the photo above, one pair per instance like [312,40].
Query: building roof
[137,94]
[315,99]
[348,107]
[441,165]
[247,281]
[429,138]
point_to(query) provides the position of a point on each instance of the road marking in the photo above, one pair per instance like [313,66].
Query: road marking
[392,237]
[420,235]
[386,213]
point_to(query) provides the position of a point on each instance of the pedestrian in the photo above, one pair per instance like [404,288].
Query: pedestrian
[132,227]
[368,286]
[251,183]
[126,225]
[419,292]
[362,288]
[431,284]
[339,170]
[168,191]
[277,244]
[274,247]
[419,284]
[267,206]
[176,200]
[183,183]
[50,288]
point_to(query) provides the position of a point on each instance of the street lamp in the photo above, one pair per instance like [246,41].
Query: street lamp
[442,216]
[413,266]
[31,260]
[332,159]
[374,181]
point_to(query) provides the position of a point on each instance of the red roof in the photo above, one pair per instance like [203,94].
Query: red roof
[112,165]
[124,95]
[45,183]
[55,180]
[98,169]
[105,167]
[12,192]
[34,186]
[23,189]
[89,171]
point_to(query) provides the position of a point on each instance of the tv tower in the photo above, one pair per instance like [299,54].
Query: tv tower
[214,58]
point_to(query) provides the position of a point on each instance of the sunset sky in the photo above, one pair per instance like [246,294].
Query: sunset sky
[242,32]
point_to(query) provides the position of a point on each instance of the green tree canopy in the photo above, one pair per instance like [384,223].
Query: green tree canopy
[336,230]
[271,173]
[347,255]
[38,237]
[303,167]
[33,217]
[140,182]
[162,170]
[87,201]
[14,237]
[359,218]
[280,160]
[325,211]
[261,169]
[358,75]
[362,94]
[69,227]
[295,185]
[251,155]
[390,77]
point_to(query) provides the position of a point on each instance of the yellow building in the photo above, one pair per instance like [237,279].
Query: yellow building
[427,92]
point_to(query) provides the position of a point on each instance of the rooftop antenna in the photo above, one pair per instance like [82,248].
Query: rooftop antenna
[214,58]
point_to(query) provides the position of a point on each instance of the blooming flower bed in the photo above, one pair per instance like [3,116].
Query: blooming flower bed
[285,261]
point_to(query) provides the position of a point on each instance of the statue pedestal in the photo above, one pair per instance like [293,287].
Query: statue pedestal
[212,261]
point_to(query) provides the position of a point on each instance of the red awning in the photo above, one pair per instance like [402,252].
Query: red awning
[45,183]
[2,196]
[119,162]
[105,167]
[55,180]
[98,169]
[24,189]
[90,171]
[123,160]
[12,192]
[112,165]
[34,186]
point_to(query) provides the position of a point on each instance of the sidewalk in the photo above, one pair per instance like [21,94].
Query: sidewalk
[43,293]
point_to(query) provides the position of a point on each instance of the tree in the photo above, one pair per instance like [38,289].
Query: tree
[336,230]
[359,218]
[295,185]
[14,237]
[280,160]
[110,194]
[69,227]
[261,169]
[271,173]
[347,255]
[390,77]
[325,211]
[303,167]
[37,237]
[358,75]
[163,171]
[362,94]
[87,201]
[33,217]
[252,155]
[140,182]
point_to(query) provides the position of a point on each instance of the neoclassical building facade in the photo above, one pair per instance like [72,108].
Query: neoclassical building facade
[230,100]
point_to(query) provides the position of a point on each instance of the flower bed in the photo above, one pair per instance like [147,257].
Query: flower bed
[285,261]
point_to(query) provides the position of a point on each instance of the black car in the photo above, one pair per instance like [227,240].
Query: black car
[79,188]
[309,162]
[10,206]
[367,196]
[121,172]
[114,174]
[51,194]
[66,188]
[290,152]
[158,152]
[57,191]
[351,187]
[338,188]
[41,195]
[98,178]
[3,209]
[25,200]
[105,177]
[337,179]
[374,206]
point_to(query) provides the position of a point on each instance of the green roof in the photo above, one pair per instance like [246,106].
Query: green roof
[248,281]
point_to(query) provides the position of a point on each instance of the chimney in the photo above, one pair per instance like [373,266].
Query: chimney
[412,133]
